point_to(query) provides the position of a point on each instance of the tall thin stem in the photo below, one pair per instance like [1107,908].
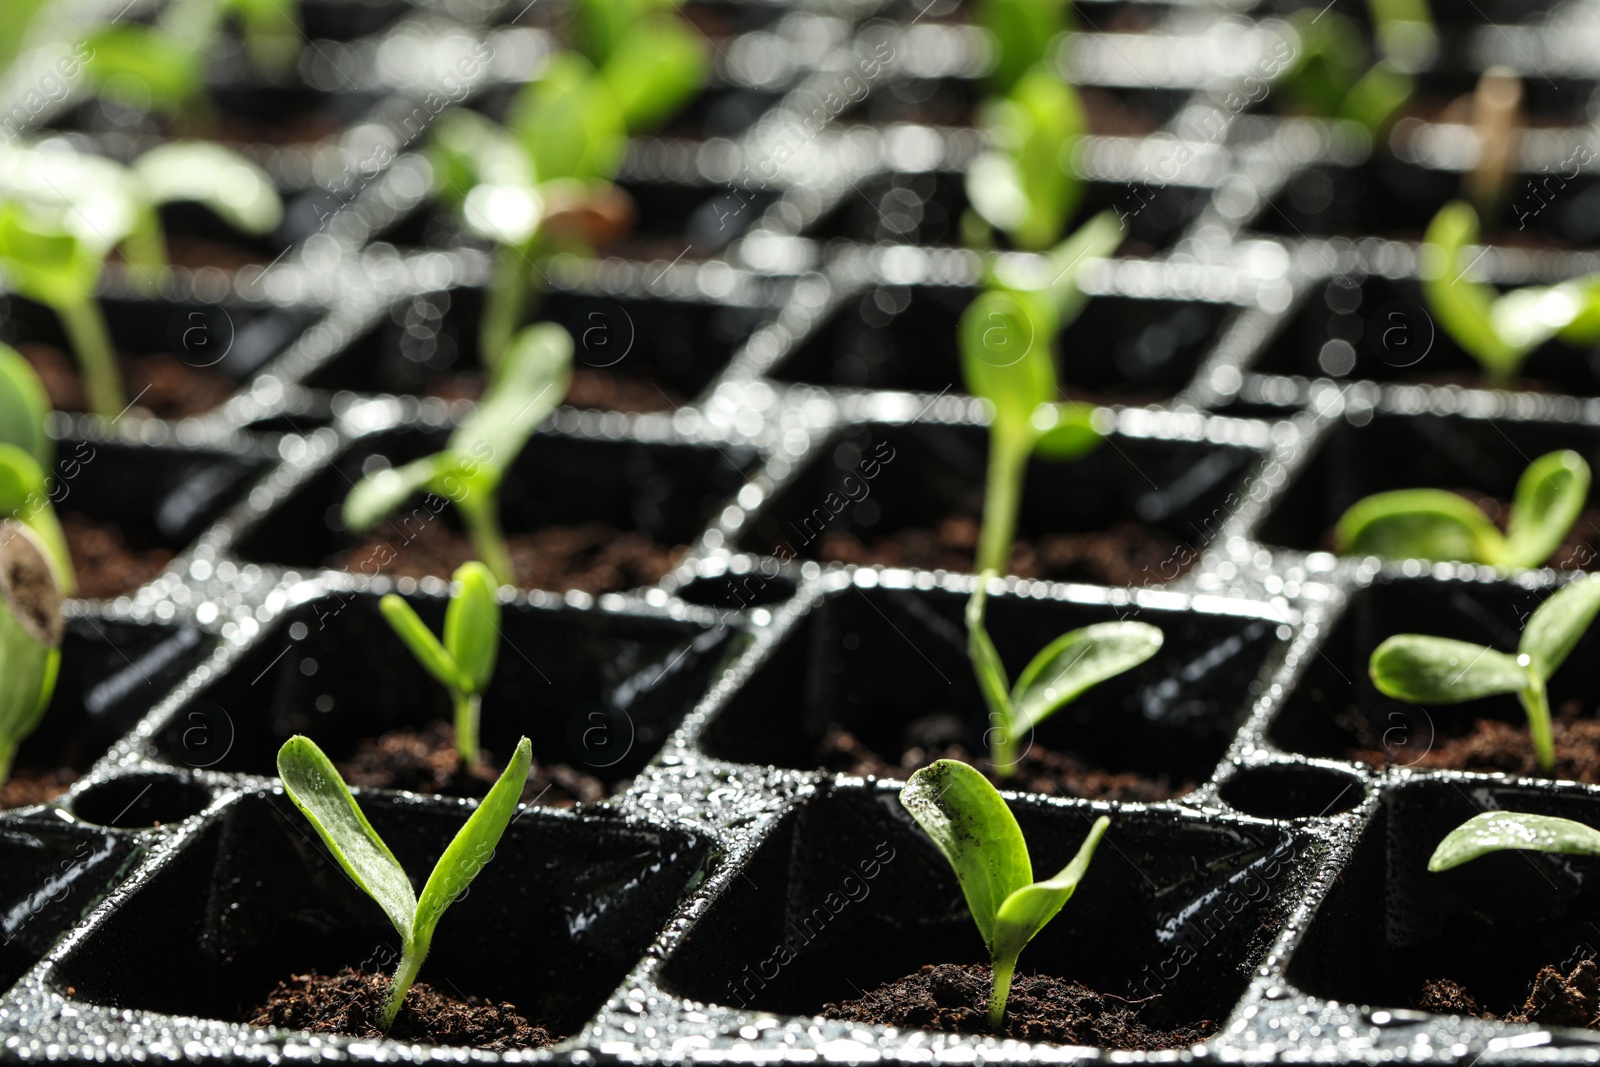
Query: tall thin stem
[483,526]
[1008,460]
[504,303]
[468,710]
[91,341]
[1537,705]
[8,752]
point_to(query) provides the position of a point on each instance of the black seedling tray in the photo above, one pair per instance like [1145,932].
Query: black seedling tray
[727,887]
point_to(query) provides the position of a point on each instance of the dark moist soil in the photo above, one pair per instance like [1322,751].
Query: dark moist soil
[424,761]
[954,998]
[1127,554]
[1555,999]
[104,565]
[593,557]
[349,1002]
[597,389]
[26,787]
[1040,770]
[1490,745]
[164,385]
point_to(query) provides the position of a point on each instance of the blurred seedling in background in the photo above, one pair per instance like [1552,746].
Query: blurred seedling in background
[63,212]
[969,822]
[464,662]
[530,384]
[1436,670]
[161,66]
[1436,525]
[320,793]
[1499,330]
[27,456]
[1334,75]
[542,183]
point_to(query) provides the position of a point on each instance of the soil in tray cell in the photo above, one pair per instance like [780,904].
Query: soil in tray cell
[954,998]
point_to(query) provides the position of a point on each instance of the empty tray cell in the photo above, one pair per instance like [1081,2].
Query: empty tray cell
[51,873]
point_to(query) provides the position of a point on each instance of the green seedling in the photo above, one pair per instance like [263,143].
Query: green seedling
[529,386]
[1436,670]
[543,182]
[1006,336]
[27,453]
[1333,74]
[316,788]
[162,66]
[1062,671]
[464,662]
[1499,330]
[1497,831]
[1435,525]
[971,825]
[1023,184]
[63,212]
[22,15]
[31,627]
[1024,33]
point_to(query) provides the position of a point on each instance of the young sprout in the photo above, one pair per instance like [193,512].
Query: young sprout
[1499,331]
[162,67]
[27,452]
[529,385]
[1024,33]
[1437,670]
[464,663]
[1333,74]
[1062,671]
[971,825]
[31,627]
[1023,184]
[316,788]
[543,181]
[1435,525]
[1496,831]
[63,212]
[1005,336]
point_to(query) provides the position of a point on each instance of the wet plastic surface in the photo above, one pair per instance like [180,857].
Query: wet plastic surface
[806,326]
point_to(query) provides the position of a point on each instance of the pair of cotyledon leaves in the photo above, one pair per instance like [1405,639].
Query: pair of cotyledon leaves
[1433,524]
[317,789]
[972,827]
[1499,330]
[62,211]
[1438,670]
